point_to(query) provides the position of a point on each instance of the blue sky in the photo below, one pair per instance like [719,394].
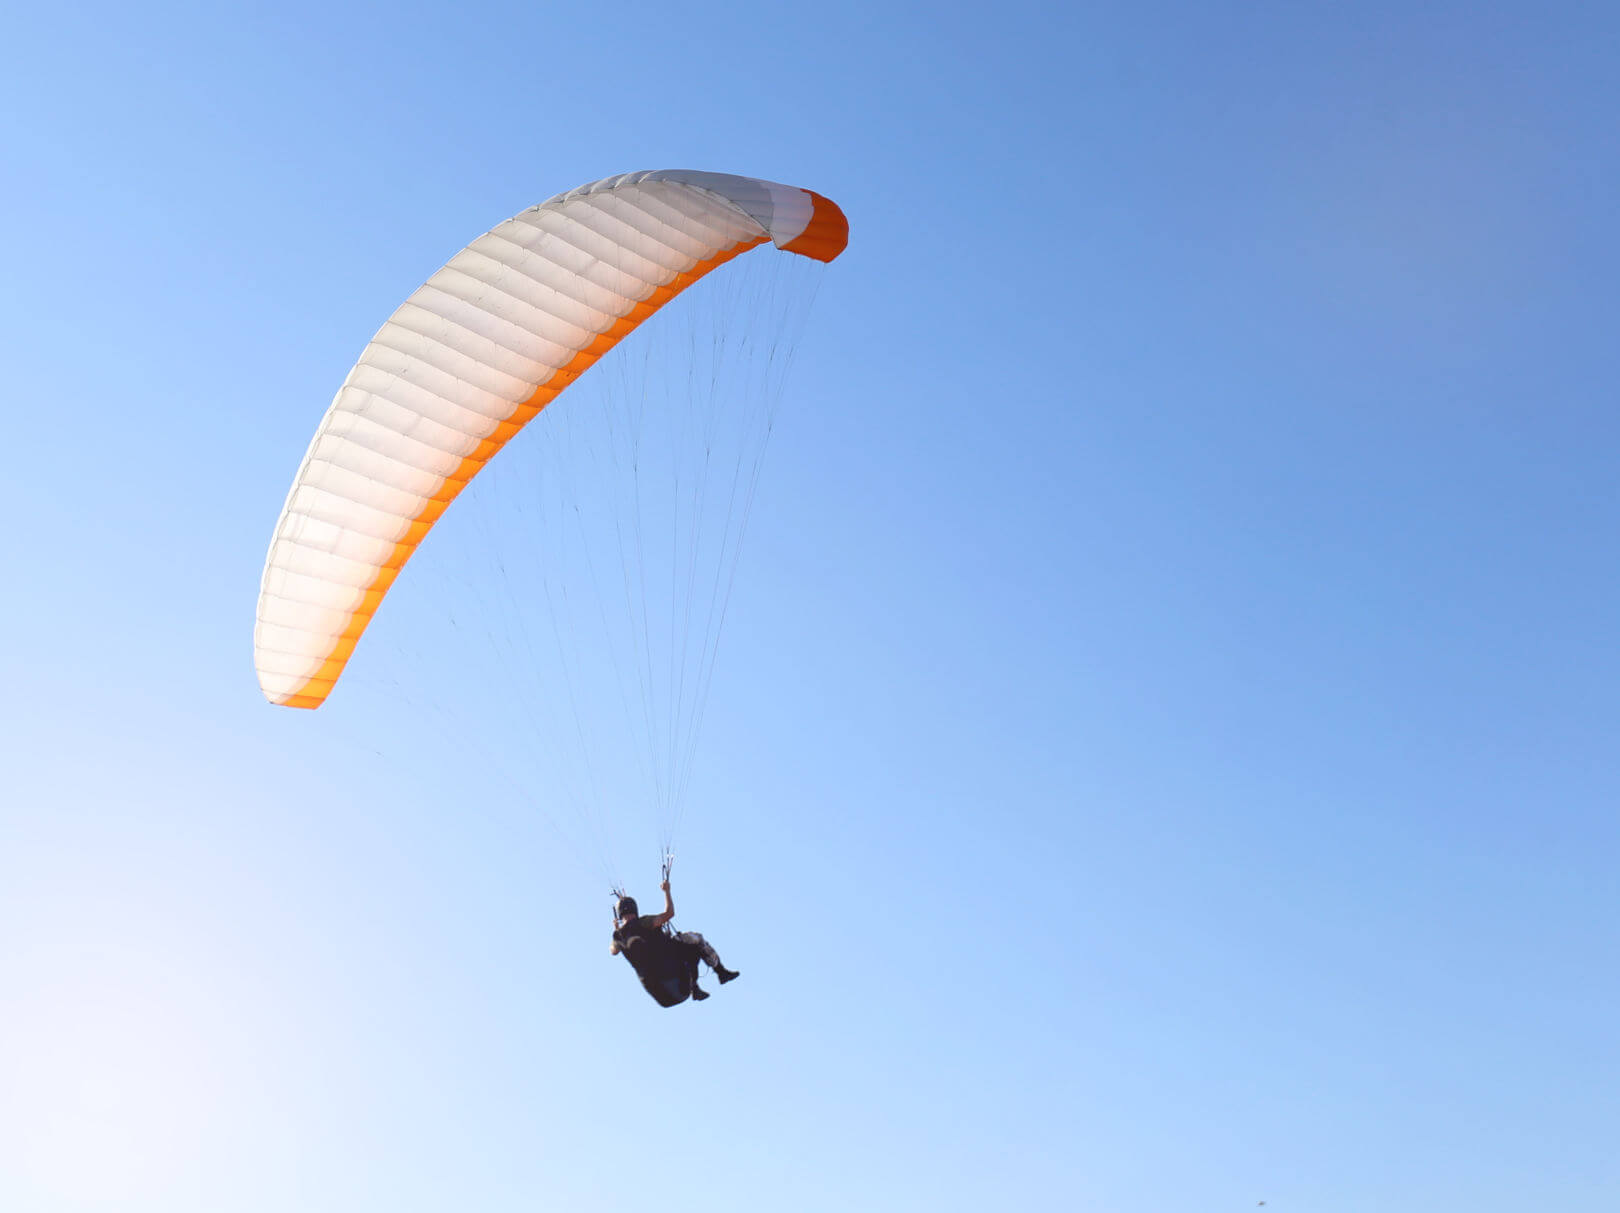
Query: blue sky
[1163,752]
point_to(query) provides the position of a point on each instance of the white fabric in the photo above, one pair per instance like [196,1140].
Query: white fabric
[460,357]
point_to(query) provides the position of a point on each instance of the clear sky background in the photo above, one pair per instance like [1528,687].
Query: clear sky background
[1164,753]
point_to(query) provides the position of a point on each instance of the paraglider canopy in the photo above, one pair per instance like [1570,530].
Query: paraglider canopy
[468,360]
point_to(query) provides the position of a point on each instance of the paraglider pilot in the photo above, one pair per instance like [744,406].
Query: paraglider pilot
[666,962]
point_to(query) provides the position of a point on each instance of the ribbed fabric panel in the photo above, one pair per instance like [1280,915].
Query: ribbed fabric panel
[465,362]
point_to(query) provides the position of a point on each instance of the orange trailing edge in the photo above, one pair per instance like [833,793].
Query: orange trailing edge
[313,692]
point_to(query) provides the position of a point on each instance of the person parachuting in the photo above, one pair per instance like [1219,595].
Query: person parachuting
[470,359]
[666,961]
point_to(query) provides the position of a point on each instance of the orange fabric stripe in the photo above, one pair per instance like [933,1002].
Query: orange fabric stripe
[312,692]
[827,233]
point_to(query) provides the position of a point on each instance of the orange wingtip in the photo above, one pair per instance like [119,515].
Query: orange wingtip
[827,233]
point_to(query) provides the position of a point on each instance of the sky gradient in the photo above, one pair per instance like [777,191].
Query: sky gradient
[1163,753]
